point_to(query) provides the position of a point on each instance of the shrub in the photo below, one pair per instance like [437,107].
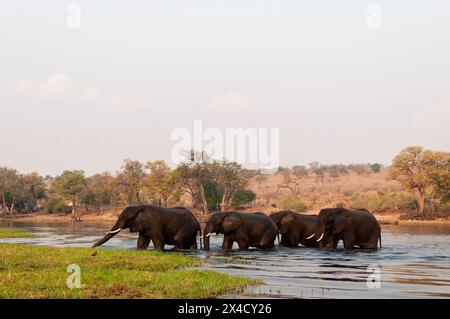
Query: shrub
[376,168]
[360,169]
[57,205]
[292,203]
[382,202]
[242,196]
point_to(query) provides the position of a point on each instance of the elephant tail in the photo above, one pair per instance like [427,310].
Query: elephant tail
[380,240]
[200,236]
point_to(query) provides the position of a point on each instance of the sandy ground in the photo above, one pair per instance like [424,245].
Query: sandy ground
[391,218]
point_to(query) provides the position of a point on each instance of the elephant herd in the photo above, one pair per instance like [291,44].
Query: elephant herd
[178,227]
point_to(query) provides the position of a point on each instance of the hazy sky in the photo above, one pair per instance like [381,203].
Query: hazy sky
[115,88]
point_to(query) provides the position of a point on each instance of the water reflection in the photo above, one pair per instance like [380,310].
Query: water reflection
[414,262]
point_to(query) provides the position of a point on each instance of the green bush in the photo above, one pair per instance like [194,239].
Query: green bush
[382,202]
[376,168]
[291,203]
[57,205]
[242,196]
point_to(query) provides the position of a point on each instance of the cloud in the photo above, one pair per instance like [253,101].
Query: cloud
[58,86]
[25,87]
[55,86]
[91,93]
[127,101]
[230,102]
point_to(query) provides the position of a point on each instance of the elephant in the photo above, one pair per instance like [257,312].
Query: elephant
[354,227]
[172,226]
[247,229]
[296,229]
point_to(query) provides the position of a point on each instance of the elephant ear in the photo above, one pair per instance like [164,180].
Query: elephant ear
[231,223]
[341,222]
[286,224]
[141,222]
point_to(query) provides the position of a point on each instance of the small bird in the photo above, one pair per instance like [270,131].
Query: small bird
[94,253]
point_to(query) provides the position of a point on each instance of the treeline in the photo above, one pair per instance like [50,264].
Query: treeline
[294,177]
[216,185]
[319,170]
[423,174]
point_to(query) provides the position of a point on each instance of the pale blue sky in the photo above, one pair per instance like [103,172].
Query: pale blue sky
[135,70]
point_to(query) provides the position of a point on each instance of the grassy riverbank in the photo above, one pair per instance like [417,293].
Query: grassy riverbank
[15,233]
[40,272]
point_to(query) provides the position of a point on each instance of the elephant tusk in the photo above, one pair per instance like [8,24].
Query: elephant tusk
[114,231]
[320,237]
[208,234]
[311,236]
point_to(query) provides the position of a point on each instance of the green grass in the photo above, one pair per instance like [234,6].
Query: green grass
[40,272]
[15,233]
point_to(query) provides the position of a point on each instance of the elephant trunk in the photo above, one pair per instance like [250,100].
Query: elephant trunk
[113,232]
[207,233]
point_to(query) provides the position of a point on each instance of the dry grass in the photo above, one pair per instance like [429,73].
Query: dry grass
[333,190]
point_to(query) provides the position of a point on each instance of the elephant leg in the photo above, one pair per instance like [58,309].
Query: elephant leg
[284,241]
[372,243]
[194,245]
[243,245]
[333,241]
[158,242]
[184,239]
[227,242]
[267,241]
[242,239]
[157,236]
[143,241]
[294,239]
[349,240]
[329,241]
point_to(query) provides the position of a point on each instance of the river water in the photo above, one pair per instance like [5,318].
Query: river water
[413,263]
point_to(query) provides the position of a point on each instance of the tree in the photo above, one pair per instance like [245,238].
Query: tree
[193,176]
[318,170]
[441,177]
[293,179]
[229,176]
[162,182]
[376,168]
[100,190]
[130,182]
[420,172]
[260,179]
[242,196]
[29,189]
[70,185]
[360,169]
[20,193]
[213,194]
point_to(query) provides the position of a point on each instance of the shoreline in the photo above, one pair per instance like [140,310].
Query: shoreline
[385,218]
